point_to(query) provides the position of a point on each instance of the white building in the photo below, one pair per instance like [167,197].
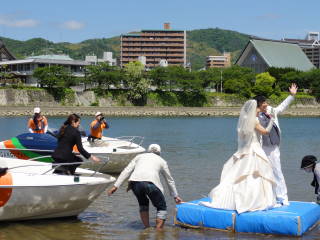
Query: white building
[24,68]
[315,36]
[107,57]
[91,59]
[163,63]
[143,60]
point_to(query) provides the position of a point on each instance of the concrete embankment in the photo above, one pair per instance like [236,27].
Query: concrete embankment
[14,102]
[146,111]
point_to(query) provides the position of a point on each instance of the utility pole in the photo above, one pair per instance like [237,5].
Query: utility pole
[220,80]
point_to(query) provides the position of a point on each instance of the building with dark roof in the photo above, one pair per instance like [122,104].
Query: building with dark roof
[5,54]
[166,45]
[260,54]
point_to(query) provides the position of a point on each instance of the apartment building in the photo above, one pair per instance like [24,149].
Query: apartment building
[157,46]
[222,61]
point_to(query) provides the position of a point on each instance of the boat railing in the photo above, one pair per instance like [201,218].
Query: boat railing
[138,140]
[26,149]
[54,166]
[132,139]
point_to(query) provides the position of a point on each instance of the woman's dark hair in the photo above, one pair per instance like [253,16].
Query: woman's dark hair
[308,161]
[35,119]
[72,118]
[260,99]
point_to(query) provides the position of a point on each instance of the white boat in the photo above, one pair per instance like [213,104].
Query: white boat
[119,151]
[30,190]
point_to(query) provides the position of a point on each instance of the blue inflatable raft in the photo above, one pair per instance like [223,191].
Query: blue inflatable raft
[295,219]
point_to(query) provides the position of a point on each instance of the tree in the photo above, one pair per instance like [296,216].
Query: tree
[237,72]
[103,74]
[285,76]
[136,82]
[263,85]
[238,80]
[313,77]
[159,77]
[210,78]
[237,86]
[52,76]
[4,74]
[187,81]
[292,77]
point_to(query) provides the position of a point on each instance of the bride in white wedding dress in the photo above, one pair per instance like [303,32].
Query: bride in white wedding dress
[247,180]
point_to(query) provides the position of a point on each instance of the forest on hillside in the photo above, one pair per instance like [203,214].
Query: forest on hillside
[200,43]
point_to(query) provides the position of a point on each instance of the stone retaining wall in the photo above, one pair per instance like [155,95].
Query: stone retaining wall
[146,111]
[14,102]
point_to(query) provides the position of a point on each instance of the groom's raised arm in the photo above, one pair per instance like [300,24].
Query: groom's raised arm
[283,106]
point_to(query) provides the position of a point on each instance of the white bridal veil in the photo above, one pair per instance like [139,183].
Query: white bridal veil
[246,125]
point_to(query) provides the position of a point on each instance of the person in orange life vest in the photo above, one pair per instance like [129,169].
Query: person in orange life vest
[39,123]
[97,126]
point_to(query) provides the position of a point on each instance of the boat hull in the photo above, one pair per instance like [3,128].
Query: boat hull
[115,163]
[29,190]
[49,201]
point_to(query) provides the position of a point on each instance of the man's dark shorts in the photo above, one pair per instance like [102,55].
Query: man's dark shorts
[147,190]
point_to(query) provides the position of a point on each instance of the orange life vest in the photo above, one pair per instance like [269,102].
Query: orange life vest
[97,132]
[39,128]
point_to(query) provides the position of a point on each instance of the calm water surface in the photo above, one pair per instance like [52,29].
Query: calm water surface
[196,149]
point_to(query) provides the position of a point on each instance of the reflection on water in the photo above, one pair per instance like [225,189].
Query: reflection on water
[195,149]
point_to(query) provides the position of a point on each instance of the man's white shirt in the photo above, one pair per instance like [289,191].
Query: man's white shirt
[148,167]
[279,109]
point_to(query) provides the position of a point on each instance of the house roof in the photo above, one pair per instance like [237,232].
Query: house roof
[280,54]
[298,40]
[162,30]
[6,51]
[52,57]
[46,61]
[138,34]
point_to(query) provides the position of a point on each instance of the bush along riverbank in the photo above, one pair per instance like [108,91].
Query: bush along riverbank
[118,98]
[20,102]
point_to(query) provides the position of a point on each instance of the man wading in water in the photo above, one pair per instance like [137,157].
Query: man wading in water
[144,180]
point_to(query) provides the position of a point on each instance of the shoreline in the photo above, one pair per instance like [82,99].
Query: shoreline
[5,111]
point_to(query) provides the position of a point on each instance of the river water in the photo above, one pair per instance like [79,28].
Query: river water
[195,149]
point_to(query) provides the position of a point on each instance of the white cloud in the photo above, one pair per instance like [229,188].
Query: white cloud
[10,22]
[73,25]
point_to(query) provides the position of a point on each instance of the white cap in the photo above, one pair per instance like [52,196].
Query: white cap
[154,148]
[98,113]
[36,110]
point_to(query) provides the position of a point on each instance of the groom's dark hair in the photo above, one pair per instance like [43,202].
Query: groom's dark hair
[260,99]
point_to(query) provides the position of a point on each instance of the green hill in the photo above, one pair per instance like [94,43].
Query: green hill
[200,43]
[212,41]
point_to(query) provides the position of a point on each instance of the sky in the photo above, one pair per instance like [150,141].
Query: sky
[78,20]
